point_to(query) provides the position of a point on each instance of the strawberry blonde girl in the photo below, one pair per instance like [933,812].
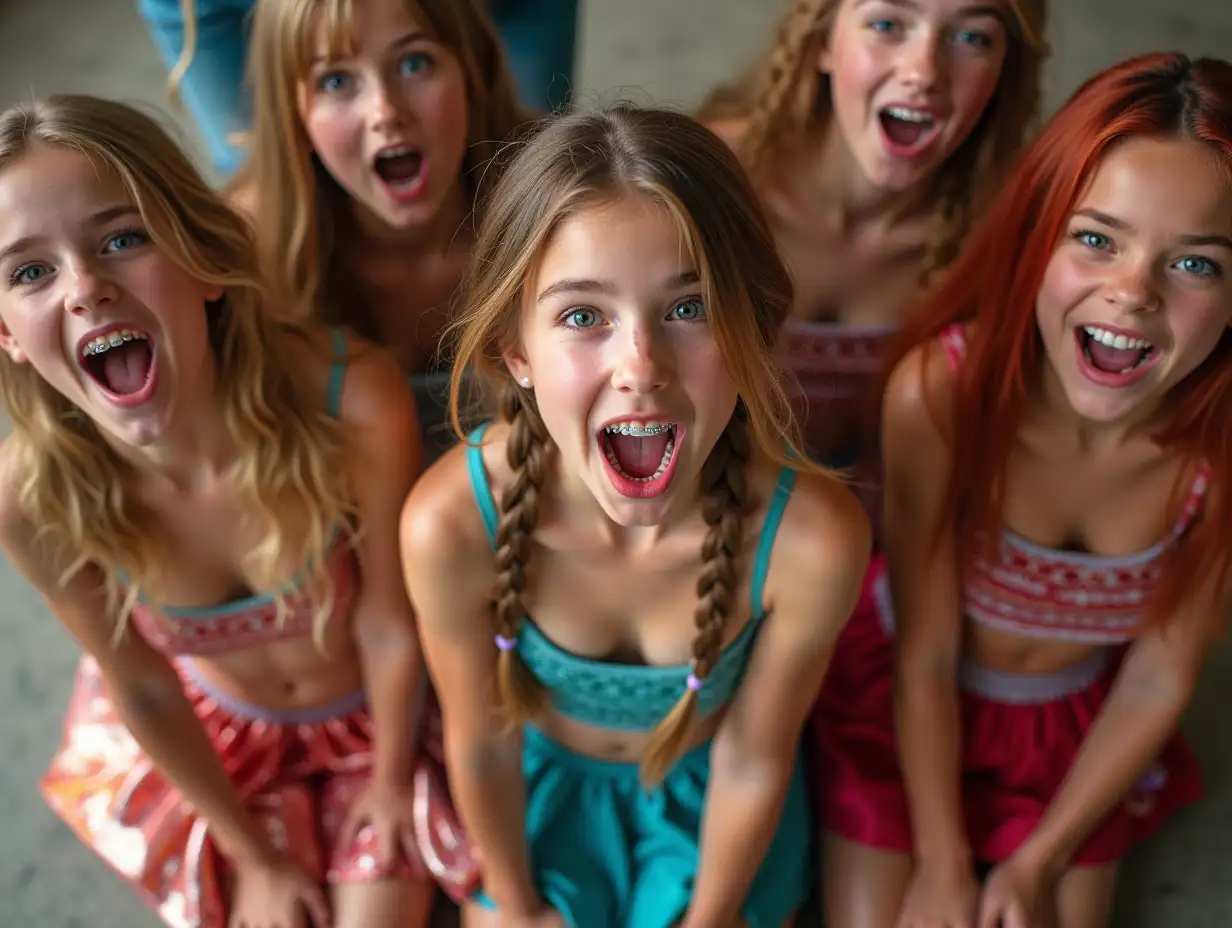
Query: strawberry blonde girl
[619,551]
[1057,466]
[374,124]
[206,498]
[874,131]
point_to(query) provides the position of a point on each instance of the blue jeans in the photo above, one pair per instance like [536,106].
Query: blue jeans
[539,37]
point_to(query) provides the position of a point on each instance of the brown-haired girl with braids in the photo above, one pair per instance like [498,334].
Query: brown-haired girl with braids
[625,683]
[206,497]
[874,131]
[374,123]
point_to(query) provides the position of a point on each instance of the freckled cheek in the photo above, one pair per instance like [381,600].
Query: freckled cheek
[441,111]
[856,76]
[974,84]
[335,133]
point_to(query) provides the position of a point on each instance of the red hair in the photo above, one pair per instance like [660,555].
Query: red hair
[991,289]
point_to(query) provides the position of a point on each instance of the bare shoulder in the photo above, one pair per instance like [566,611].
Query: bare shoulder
[824,532]
[918,397]
[446,550]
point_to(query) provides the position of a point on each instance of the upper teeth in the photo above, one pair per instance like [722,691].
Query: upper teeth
[395,152]
[1112,340]
[901,112]
[113,339]
[639,429]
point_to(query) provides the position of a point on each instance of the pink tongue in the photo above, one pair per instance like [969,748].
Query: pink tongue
[1111,360]
[125,368]
[902,132]
[639,457]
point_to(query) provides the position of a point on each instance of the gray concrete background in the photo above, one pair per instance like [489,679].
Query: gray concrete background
[669,51]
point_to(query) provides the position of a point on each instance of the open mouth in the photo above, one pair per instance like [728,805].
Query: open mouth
[121,362]
[640,457]
[1113,358]
[907,130]
[401,170]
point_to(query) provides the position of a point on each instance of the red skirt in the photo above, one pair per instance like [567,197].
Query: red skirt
[1021,734]
[297,772]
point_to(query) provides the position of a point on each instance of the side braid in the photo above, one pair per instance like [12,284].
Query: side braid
[520,695]
[724,496]
[783,89]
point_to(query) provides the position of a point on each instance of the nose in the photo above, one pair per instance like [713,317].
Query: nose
[922,64]
[386,105]
[641,364]
[1131,286]
[89,289]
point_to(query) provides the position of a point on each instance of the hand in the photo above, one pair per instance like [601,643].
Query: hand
[940,896]
[275,893]
[1013,896]
[388,810]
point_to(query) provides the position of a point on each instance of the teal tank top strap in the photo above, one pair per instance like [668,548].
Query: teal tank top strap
[337,373]
[765,543]
[480,485]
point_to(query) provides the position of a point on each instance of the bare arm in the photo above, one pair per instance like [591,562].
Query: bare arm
[819,562]
[143,687]
[383,433]
[449,570]
[924,586]
[1143,710]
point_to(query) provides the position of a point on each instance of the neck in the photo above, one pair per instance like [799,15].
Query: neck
[193,450]
[445,229]
[1054,407]
[840,183]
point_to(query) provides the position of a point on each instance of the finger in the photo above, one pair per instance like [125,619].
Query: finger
[408,845]
[317,906]
[387,844]
[1015,917]
[354,821]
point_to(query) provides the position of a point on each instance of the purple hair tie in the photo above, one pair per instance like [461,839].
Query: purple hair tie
[694,682]
[506,644]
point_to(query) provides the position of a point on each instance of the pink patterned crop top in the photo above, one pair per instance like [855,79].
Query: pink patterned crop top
[1033,591]
[254,620]
[834,363]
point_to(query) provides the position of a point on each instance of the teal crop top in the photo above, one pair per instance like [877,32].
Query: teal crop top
[624,696]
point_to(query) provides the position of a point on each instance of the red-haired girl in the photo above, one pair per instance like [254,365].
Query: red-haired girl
[1056,452]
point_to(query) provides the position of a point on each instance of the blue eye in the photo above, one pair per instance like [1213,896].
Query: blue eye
[1202,267]
[690,310]
[28,274]
[581,318]
[975,37]
[1094,240]
[414,63]
[122,241]
[333,82]
[883,26]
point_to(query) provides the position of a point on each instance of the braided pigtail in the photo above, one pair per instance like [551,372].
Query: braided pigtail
[724,496]
[520,695]
[786,90]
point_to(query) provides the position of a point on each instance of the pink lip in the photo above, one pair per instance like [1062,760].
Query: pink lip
[1114,381]
[127,400]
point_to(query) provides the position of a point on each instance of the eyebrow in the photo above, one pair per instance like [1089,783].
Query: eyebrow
[607,288]
[974,10]
[1120,224]
[102,217]
[409,39]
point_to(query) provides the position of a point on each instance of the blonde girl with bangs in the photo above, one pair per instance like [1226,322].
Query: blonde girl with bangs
[375,122]
[608,575]
[875,130]
[205,495]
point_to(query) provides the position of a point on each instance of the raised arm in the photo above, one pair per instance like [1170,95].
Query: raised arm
[924,584]
[449,570]
[819,561]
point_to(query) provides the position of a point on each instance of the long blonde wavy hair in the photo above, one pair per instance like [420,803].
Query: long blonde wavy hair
[576,162]
[289,449]
[786,100]
[301,211]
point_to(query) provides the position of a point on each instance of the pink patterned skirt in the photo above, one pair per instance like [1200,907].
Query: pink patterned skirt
[1021,734]
[297,772]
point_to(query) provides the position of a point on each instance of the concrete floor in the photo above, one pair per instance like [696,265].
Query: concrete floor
[46,879]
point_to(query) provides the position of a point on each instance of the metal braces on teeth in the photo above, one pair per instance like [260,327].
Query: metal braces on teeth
[113,340]
[638,431]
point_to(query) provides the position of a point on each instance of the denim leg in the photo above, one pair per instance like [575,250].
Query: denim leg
[213,89]
[540,38]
